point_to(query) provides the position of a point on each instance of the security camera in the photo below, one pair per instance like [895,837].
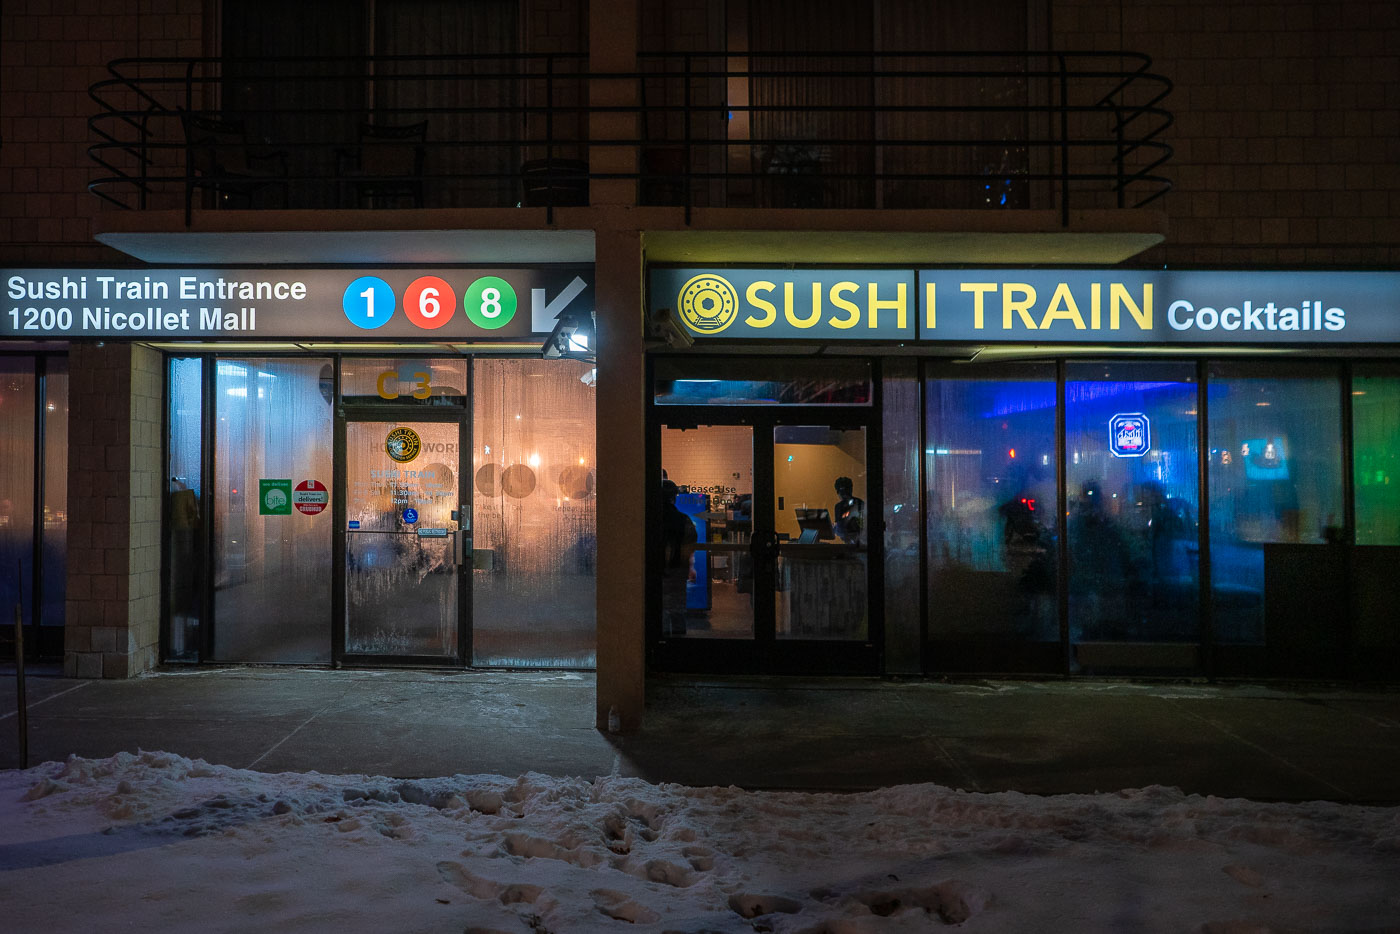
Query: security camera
[664,325]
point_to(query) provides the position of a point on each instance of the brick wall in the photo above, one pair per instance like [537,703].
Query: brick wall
[113,597]
[51,51]
[710,456]
[1287,132]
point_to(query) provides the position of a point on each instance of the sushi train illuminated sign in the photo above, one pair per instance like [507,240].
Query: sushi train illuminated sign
[1042,306]
[819,304]
[1159,306]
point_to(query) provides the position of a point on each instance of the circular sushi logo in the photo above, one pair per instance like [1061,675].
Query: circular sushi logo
[708,303]
[403,444]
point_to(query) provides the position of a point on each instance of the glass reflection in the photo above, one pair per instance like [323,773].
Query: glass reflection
[184,538]
[990,468]
[1275,478]
[1131,464]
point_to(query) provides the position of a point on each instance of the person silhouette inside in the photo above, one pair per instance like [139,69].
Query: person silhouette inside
[678,538]
[848,515]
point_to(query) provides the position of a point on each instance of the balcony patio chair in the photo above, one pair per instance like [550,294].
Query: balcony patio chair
[220,158]
[386,165]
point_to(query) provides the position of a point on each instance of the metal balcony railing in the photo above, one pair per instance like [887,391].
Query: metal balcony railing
[997,130]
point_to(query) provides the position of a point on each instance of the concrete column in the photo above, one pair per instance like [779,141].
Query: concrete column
[613,31]
[114,511]
[622,479]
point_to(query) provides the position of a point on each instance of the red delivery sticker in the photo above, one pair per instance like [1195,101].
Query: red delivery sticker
[310,497]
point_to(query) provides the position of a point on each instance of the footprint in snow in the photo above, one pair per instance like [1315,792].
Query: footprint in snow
[620,907]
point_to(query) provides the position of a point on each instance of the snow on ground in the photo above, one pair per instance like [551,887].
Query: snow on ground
[158,842]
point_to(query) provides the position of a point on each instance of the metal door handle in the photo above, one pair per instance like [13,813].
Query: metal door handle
[763,546]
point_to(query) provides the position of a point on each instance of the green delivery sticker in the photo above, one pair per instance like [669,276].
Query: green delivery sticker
[275,497]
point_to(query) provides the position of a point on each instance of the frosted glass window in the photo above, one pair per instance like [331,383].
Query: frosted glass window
[400,574]
[900,395]
[55,538]
[1375,412]
[534,513]
[1275,477]
[990,469]
[404,380]
[17,388]
[185,522]
[272,572]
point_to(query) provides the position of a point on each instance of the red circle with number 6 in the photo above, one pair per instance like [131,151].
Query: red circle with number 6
[429,302]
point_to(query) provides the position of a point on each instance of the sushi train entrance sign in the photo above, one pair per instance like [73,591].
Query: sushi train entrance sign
[1042,306]
[276,303]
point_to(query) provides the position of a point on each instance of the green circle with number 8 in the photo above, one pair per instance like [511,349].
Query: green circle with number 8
[489,302]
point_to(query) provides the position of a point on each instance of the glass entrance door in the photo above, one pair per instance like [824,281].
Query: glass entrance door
[820,533]
[406,540]
[762,559]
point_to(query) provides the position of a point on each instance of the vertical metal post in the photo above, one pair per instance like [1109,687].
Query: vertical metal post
[686,118]
[209,403]
[1064,142]
[144,159]
[21,708]
[1061,517]
[548,140]
[1118,157]
[1205,596]
[189,165]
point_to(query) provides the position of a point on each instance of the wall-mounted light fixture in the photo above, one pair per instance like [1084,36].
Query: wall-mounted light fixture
[573,336]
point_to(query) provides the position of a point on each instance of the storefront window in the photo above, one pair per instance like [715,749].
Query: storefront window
[707,593]
[272,563]
[55,538]
[990,470]
[1132,489]
[762,382]
[900,422]
[535,513]
[17,388]
[184,529]
[1375,418]
[1275,488]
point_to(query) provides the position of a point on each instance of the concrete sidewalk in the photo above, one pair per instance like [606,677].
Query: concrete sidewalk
[1261,742]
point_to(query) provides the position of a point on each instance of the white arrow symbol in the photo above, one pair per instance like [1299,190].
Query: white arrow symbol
[543,316]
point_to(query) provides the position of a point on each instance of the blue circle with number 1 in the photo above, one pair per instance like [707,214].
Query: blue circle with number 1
[410,515]
[368,302]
